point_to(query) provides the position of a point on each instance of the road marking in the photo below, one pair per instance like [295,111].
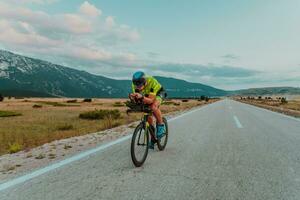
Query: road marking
[49,168]
[237,122]
[77,157]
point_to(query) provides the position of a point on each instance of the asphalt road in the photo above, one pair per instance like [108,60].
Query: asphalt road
[226,150]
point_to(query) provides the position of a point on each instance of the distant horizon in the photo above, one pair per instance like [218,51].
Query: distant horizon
[230,45]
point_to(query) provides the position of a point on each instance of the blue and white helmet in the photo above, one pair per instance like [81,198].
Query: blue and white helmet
[138,79]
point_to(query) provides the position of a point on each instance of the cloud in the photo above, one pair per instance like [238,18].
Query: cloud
[25,37]
[109,21]
[83,37]
[207,74]
[207,70]
[90,10]
[153,54]
[76,24]
[230,56]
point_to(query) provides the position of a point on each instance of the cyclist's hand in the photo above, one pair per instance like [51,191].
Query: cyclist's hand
[131,96]
[135,97]
[138,96]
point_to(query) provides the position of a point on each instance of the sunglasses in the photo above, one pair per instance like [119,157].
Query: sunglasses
[138,82]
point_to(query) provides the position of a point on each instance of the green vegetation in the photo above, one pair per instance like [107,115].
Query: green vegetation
[53,103]
[283,100]
[40,156]
[51,156]
[87,100]
[67,146]
[118,104]
[100,114]
[9,114]
[37,106]
[14,148]
[72,101]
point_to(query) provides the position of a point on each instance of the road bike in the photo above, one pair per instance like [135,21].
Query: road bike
[143,133]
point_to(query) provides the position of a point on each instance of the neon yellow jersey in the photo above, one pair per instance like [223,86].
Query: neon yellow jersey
[152,87]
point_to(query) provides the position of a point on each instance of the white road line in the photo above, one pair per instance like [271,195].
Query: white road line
[237,122]
[49,168]
[77,157]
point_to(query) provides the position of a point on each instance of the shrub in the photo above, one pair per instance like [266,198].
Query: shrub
[185,100]
[283,100]
[1,98]
[72,101]
[40,156]
[202,97]
[87,100]
[14,148]
[37,106]
[100,114]
[55,104]
[118,104]
[65,127]
[67,146]
[52,156]
[9,114]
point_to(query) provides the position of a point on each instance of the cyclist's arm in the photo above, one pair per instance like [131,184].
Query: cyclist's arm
[150,99]
[133,95]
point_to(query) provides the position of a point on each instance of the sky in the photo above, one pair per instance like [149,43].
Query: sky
[230,44]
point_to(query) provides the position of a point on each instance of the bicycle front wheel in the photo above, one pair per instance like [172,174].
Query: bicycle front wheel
[139,145]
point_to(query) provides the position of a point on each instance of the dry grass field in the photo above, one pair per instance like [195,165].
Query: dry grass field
[290,107]
[30,122]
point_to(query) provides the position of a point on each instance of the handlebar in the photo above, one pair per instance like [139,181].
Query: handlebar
[137,106]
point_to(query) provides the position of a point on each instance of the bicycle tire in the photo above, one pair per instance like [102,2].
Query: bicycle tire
[161,144]
[138,130]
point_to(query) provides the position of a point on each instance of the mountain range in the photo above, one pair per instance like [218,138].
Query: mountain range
[24,76]
[30,77]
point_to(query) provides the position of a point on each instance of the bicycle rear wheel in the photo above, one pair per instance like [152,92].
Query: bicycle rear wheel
[139,145]
[162,143]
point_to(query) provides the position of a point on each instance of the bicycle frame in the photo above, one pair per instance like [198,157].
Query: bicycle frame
[147,127]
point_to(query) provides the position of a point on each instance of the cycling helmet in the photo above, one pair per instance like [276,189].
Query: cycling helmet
[138,79]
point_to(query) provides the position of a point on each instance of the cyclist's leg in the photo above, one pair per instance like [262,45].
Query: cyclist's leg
[152,138]
[156,111]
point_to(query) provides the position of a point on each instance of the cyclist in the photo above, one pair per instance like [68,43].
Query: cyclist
[149,90]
